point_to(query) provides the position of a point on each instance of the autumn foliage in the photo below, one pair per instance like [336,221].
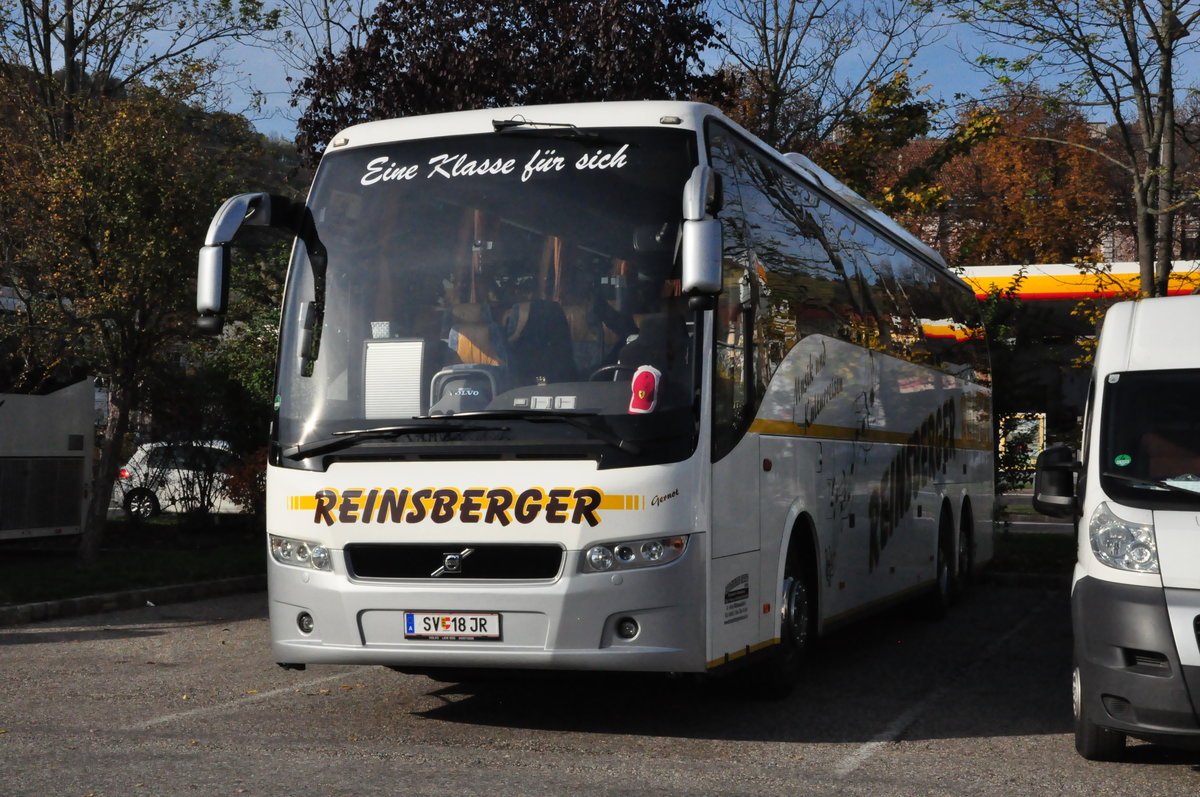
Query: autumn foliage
[1024,197]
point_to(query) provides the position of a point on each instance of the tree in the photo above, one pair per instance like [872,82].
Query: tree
[97,229]
[310,29]
[1119,55]
[1023,198]
[872,152]
[801,68]
[74,53]
[426,56]
[106,179]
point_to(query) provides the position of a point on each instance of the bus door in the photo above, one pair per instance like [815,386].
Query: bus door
[737,469]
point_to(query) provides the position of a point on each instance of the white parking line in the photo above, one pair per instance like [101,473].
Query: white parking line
[905,720]
[241,701]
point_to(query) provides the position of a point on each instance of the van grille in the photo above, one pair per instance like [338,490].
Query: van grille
[483,562]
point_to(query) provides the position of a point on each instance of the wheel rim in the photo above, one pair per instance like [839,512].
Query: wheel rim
[141,505]
[794,625]
[1076,694]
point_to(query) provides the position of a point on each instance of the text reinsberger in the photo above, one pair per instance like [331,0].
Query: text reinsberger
[501,505]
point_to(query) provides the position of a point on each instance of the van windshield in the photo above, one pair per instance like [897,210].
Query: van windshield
[1150,447]
[515,291]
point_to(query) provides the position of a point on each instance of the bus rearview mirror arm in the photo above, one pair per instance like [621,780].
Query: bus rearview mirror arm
[243,210]
[702,247]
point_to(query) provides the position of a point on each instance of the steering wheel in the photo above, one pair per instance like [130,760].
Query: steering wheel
[605,370]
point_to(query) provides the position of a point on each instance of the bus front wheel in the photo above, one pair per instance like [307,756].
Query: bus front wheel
[797,611]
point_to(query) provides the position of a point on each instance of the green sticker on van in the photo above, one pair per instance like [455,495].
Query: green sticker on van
[1122,460]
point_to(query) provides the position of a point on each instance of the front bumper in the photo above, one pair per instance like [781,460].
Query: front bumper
[1129,659]
[568,623]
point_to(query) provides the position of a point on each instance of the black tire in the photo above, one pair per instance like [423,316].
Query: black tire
[1092,741]
[937,604]
[141,504]
[964,565]
[780,673]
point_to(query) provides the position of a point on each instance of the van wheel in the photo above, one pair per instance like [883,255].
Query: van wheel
[1093,742]
[141,504]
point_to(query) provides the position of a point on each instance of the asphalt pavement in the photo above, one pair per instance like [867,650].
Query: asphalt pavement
[1018,522]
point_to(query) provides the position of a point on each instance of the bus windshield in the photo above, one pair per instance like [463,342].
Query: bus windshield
[1151,443]
[515,293]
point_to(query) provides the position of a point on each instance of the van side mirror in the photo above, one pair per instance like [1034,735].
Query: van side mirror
[1054,482]
[702,247]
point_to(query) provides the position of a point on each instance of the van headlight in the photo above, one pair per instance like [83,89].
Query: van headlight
[1122,544]
[300,553]
[626,555]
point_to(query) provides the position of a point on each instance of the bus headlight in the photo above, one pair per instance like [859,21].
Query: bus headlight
[1122,544]
[300,553]
[630,554]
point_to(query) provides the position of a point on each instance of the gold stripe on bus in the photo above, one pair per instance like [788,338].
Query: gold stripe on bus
[728,657]
[304,502]
[617,502]
[826,432]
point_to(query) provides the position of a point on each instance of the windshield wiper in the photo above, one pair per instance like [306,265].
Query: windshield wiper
[1162,485]
[504,125]
[573,419]
[528,127]
[351,437]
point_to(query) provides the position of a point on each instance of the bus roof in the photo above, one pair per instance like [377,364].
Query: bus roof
[685,115]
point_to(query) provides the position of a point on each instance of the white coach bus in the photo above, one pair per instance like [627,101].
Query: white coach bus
[606,386]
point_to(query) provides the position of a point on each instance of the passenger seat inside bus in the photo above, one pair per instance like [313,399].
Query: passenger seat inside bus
[662,341]
[539,346]
[472,334]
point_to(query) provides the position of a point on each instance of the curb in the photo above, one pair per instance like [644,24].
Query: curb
[24,613]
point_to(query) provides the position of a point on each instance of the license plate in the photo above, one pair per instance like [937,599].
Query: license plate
[451,625]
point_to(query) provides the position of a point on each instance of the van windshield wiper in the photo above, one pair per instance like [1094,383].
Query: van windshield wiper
[1162,485]
[576,419]
[351,437]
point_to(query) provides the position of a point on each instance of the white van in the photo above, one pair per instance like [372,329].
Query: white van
[1135,597]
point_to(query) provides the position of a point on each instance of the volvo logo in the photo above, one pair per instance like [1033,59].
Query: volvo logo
[452,563]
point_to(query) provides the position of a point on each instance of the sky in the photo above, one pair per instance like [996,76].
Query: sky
[943,68]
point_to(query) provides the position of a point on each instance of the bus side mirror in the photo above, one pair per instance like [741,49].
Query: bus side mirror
[212,288]
[702,247]
[212,274]
[1054,482]
[702,258]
